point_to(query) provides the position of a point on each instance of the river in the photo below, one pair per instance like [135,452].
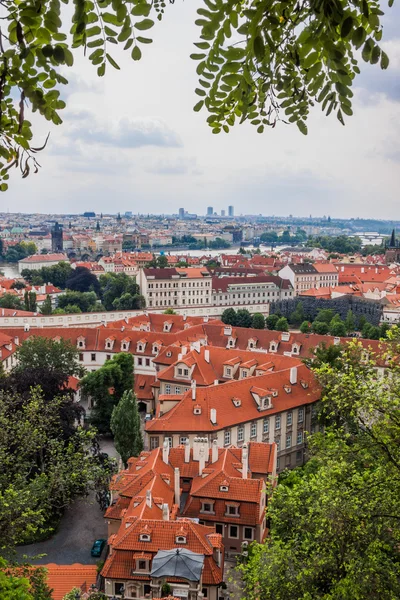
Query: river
[9,269]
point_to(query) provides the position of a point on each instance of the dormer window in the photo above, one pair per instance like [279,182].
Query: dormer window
[124,346]
[168,354]
[304,384]
[287,389]
[224,488]
[295,349]
[155,349]
[231,343]
[197,410]
[232,510]
[272,347]
[144,537]
[207,506]
[245,373]
[228,372]
[81,342]
[142,565]
[109,344]
[236,402]
[266,403]
[180,539]
[140,347]
[167,326]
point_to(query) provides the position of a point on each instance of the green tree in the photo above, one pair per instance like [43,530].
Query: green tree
[337,327]
[282,324]
[305,327]
[383,330]
[297,317]
[115,285]
[126,427]
[320,327]
[229,316]
[30,301]
[334,529]
[129,302]
[47,307]
[169,311]
[371,332]
[82,280]
[271,321]
[350,322]
[258,321]
[269,236]
[23,582]
[106,387]
[162,261]
[86,301]
[8,300]
[325,315]
[243,318]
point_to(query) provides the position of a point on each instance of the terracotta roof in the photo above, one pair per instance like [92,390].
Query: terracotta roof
[45,258]
[62,578]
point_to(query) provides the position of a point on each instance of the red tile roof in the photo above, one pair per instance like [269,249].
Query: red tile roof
[63,578]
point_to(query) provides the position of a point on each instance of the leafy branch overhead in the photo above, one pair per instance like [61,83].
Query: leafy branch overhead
[259,60]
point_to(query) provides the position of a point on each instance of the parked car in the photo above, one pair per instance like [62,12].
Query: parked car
[97,547]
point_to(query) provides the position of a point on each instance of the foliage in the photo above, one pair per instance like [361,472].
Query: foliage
[258,321]
[114,286]
[90,595]
[282,324]
[325,315]
[106,387]
[162,261]
[334,529]
[320,327]
[57,275]
[42,472]
[166,590]
[129,302]
[271,321]
[8,300]
[229,316]
[13,587]
[341,244]
[350,323]
[22,576]
[21,250]
[169,311]
[30,301]
[46,307]
[218,244]
[243,318]
[82,280]
[126,428]
[305,327]
[297,316]
[337,327]
[86,301]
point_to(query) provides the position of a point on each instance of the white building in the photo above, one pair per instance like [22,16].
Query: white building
[37,261]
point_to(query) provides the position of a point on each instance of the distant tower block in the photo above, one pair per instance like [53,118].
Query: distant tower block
[231,211]
[210,211]
[57,238]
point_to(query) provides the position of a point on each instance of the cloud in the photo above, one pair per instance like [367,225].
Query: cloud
[178,166]
[129,133]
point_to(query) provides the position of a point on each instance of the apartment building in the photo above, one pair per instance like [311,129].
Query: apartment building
[175,287]
[37,261]
[304,276]
[273,406]
[254,290]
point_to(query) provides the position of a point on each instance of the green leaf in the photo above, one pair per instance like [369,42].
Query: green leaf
[141,10]
[199,92]
[144,40]
[259,48]
[310,60]
[340,116]
[101,70]
[110,31]
[375,55]
[136,53]
[358,37]
[145,24]
[367,49]
[112,62]
[347,110]
[202,45]
[198,106]
[384,60]
[110,18]
[58,54]
[302,127]
[235,53]
[95,30]
[346,28]
[197,56]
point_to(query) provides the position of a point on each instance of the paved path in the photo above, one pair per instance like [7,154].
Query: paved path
[81,524]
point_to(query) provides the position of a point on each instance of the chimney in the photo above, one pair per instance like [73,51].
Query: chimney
[196,448]
[187,451]
[293,375]
[213,416]
[165,452]
[245,461]
[165,512]
[207,355]
[216,381]
[180,356]
[16,340]
[202,459]
[193,389]
[177,486]
[184,316]
[184,350]
[149,500]
[214,451]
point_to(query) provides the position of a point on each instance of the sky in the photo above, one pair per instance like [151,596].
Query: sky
[130,141]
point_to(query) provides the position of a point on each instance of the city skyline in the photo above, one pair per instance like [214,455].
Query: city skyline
[133,136]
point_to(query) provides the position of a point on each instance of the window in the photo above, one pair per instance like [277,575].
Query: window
[278,444]
[266,426]
[154,442]
[266,402]
[219,528]
[108,356]
[299,437]
[81,356]
[142,565]
[206,507]
[244,373]
[140,362]
[119,588]
[288,441]
[169,440]
[278,464]
[240,433]
[167,389]
[147,362]
[232,510]
[228,371]
[227,438]
[204,591]
[299,455]
[144,537]
[289,418]
[253,430]
[278,422]
[93,357]
[233,531]
[180,539]
[183,440]
[177,389]
[301,415]
[248,533]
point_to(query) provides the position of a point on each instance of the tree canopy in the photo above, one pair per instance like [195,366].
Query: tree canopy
[125,425]
[261,61]
[334,523]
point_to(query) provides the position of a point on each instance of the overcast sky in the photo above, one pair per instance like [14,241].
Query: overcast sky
[131,141]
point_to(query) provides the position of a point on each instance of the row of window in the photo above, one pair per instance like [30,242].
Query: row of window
[253,428]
